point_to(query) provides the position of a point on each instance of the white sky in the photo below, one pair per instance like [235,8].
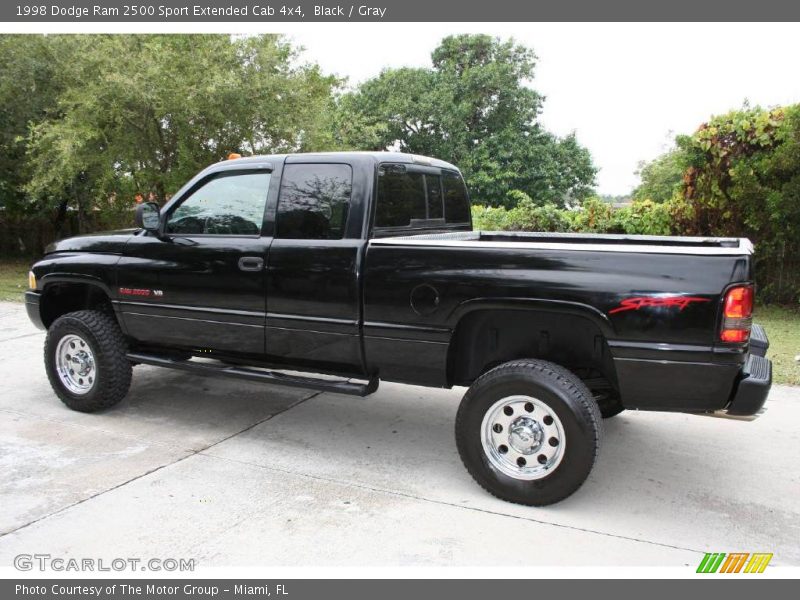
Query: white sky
[623,88]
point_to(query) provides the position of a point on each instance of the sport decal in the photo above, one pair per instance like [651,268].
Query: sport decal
[638,302]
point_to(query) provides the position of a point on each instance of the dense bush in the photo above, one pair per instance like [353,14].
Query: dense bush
[594,216]
[743,179]
[645,217]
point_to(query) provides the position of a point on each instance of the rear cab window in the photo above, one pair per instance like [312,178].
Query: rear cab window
[419,198]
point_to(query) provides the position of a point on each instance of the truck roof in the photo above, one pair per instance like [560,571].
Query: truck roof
[375,157]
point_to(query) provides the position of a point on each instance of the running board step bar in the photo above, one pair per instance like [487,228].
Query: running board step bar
[339,386]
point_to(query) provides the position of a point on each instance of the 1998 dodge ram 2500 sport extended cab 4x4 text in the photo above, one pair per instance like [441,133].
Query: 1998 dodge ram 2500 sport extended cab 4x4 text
[364,266]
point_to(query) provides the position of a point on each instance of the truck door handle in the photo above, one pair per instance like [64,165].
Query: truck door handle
[251,263]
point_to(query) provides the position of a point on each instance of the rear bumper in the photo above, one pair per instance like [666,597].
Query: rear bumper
[722,389]
[752,389]
[32,307]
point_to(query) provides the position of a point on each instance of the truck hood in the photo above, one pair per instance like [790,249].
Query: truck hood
[111,242]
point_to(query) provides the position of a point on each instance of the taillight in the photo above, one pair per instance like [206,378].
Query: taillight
[737,314]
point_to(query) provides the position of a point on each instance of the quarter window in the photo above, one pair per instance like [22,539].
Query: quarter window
[314,201]
[229,204]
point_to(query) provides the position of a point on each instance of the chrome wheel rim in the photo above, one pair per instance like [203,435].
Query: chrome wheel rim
[523,437]
[75,364]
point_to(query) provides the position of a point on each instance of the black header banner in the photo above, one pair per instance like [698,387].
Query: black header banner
[295,11]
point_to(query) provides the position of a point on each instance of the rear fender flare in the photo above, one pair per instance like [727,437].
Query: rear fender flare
[577,309]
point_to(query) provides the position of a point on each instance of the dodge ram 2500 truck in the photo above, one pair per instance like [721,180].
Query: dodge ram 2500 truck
[294,268]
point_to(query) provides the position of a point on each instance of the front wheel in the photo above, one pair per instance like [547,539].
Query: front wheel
[86,362]
[528,431]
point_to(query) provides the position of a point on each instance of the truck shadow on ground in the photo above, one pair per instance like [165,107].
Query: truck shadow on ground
[194,412]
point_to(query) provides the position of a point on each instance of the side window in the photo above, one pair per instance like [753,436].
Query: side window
[229,204]
[314,201]
[456,202]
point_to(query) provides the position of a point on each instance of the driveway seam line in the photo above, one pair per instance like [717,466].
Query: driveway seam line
[91,429]
[19,337]
[452,504]
[189,454]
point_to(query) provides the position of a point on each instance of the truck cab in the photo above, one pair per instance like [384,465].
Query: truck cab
[262,256]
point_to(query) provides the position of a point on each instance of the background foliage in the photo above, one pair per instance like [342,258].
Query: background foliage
[90,123]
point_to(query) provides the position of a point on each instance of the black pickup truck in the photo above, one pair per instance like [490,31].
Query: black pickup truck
[335,271]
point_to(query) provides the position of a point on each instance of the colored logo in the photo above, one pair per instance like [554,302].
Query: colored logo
[734,562]
[656,301]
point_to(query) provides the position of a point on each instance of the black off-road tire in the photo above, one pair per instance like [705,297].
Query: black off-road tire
[563,393]
[113,370]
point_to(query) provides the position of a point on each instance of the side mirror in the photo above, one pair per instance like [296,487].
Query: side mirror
[148,216]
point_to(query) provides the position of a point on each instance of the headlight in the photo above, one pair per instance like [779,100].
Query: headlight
[31,280]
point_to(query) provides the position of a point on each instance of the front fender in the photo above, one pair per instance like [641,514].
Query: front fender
[96,269]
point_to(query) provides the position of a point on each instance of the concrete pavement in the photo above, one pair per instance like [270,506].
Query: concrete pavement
[233,474]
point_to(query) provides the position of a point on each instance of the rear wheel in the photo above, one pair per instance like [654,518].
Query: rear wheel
[529,431]
[85,359]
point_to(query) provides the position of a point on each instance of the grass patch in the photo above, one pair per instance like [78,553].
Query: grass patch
[782,324]
[13,280]
[783,330]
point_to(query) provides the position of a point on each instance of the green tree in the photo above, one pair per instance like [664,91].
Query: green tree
[29,86]
[662,177]
[475,108]
[140,114]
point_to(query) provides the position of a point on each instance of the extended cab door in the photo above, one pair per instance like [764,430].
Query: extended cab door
[408,292]
[201,284]
[313,288]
